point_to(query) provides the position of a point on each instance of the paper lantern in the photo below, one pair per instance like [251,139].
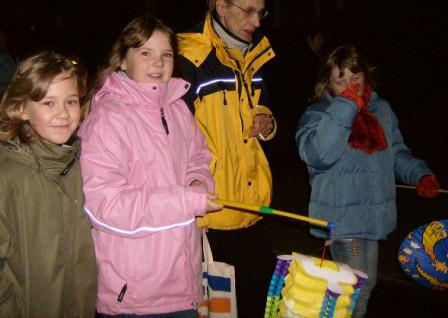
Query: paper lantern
[312,288]
[423,255]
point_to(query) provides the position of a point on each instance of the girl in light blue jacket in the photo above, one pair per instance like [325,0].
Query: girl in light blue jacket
[354,151]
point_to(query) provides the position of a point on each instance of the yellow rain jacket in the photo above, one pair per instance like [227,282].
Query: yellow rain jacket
[227,92]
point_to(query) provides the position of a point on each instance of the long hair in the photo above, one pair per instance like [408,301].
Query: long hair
[343,57]
[134,35]
[31,82]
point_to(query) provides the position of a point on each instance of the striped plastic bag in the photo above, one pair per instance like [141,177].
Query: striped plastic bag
[218,283]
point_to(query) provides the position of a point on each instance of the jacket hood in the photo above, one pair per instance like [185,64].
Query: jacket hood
[119,85]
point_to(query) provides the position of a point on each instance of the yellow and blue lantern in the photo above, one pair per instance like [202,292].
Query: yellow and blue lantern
[423,255]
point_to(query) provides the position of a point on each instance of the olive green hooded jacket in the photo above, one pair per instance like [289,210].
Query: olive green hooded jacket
[47,260]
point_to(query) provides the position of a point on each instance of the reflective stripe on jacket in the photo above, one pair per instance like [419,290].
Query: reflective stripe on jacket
[137,171]
[354,190]
[225,96]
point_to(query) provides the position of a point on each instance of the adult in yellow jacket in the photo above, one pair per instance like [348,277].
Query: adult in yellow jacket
[222,58]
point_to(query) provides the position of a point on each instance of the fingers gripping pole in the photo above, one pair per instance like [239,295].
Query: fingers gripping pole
[267,210]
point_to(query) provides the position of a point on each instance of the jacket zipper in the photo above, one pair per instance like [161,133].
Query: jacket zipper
[247,67]
[122,292]
[164,122]
[241,78]
[246,87]
[225,100]
[248,93]
[239,96]
[256,57]
[70,164]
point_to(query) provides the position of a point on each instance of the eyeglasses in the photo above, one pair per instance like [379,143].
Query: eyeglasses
[263,13]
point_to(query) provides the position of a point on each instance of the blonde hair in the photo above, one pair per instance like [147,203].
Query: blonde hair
[30,82]
[343,57]
[134,35]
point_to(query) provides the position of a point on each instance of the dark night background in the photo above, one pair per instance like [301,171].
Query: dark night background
[404,39]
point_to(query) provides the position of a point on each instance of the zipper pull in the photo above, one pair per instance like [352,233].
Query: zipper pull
[122,292]
[77,154]
[225,100]
[251,105]
[67,168]
[164,123]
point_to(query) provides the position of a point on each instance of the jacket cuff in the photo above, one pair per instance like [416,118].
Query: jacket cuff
[209,185]
[197,201]
[344,110]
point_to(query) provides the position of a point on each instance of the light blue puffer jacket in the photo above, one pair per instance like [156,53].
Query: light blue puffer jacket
[354,190]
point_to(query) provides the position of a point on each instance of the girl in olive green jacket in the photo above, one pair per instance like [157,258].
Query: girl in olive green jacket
[47,261]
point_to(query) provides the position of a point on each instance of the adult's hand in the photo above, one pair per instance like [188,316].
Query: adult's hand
[263,125]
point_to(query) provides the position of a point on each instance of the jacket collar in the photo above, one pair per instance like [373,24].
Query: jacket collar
[210,32]
[129,91]
[260,51]
[197,45]
[54,160]
[228,38]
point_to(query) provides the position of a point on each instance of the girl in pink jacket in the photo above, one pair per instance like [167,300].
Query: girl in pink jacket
[145,168]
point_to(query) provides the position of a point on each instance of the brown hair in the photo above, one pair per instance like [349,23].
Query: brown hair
[343,57]
[134,35]
[30,82]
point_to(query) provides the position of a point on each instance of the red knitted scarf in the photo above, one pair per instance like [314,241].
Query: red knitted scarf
[367,133]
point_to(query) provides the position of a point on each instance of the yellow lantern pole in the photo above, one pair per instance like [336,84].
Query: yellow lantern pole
[268,210]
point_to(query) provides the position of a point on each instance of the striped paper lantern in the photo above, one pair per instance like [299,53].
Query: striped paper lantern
[307,287]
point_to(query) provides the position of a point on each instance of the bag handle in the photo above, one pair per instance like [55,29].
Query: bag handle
[206,249]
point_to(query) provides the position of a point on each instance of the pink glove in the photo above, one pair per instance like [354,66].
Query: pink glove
[428,187]
[352,93]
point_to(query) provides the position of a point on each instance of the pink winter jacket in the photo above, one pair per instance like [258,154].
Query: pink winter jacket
[136,175]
